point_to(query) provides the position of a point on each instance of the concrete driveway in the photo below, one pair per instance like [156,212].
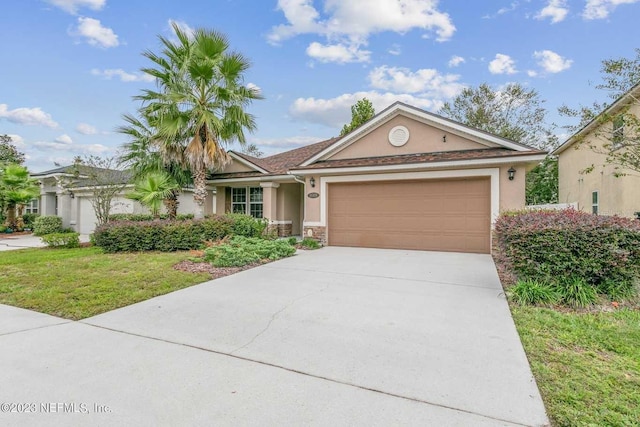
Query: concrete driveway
[339,336]
[11,242]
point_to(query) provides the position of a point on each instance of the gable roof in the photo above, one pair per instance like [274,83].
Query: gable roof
[421,115]
[84,171]
[623,100]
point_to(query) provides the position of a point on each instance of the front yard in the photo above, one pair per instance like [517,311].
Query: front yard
[83,282]
[587,365]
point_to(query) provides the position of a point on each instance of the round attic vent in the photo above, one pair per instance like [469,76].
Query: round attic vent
[398,136]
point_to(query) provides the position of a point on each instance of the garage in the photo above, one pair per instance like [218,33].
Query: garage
[452,215]
[87,216]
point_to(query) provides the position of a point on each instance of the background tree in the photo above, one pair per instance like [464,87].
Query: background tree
[152,189]
[617,134]
[103,179]
[252,150]
[8,152]
[16,189]
[142,156]
[361,112]
[200,103]
[518,114]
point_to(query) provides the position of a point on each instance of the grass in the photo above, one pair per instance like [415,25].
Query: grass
[587,365]
[82,282]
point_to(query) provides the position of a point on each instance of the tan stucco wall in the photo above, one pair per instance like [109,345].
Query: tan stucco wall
[617,195]
[422,139]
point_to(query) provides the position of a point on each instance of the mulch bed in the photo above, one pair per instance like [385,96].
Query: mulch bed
[215,272]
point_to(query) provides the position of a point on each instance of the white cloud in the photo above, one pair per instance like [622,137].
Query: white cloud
[123,75]
[551,62]
[347,24]
[395,50]
[427,82]
[272,144]
[503,10]
[253,86]
[64,139]
[455,61]
[184,27]
[335,112]
[76,149]
[600,9]
[27,116]
[72,6]
[17,140]
[502,64]
[86,129]
[95,34]
[337,53]
[532,73]
[556,10]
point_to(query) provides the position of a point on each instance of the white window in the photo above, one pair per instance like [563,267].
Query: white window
[618,131]
[594,202]
[247,200]
[33,207]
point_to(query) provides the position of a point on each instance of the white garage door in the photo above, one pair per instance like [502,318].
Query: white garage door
[87,217]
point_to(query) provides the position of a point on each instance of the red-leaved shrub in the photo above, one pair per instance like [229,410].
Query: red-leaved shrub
[554,246]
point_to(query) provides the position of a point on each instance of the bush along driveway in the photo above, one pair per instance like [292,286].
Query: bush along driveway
[572,279]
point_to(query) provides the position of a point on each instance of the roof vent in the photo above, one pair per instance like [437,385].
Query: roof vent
[398,136]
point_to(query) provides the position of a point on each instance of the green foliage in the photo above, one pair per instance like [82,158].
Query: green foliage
[151,189]
[542,182]
[576,292]
[310,243]
[512,112]
[146,217]
[533,292]
[62,240]
[566,247]
[247,226]
[29,219]
[618,290]
[361,113]
[292,241]
[8,152]
[16,188]
[240,251]
[49,224]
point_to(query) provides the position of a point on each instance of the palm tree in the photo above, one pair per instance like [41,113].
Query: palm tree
[142,156]
[16,188]
[152,190]
[199,104]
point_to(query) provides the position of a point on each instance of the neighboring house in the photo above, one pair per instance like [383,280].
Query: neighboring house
[585,177]
[73,204]
[405,179]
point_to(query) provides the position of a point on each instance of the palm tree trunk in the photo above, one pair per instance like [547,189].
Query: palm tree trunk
[172,203]
[199,191]
[11,215]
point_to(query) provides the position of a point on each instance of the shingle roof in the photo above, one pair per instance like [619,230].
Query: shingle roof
[483,153]
[123,176]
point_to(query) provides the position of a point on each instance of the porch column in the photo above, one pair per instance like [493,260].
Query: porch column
[209,202]
[221,201]
[269,200]
[64,209]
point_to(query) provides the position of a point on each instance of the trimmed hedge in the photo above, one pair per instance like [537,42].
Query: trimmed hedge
[62,240]
[561,247]
[167,236]
[145,217]
[47,225]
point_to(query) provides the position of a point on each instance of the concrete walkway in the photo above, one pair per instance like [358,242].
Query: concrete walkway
[339,336]
[10,242]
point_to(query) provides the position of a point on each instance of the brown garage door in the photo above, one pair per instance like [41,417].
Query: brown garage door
[436,215]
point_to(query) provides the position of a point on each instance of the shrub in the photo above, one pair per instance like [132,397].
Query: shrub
[160,235]
[145,217]
[532,292]
[29,219]
[47,225]
[310,243]
[576,292]
[62,240]
[551,246]
[246,225]
[241,251]
[292,241]
[618,290]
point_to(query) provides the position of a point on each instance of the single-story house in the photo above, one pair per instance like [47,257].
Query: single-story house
[406,179]
[73,202]
[586,178]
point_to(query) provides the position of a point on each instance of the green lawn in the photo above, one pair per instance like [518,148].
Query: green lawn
[587,366]
[79,283]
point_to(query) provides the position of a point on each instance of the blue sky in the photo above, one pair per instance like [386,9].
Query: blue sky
[70,67]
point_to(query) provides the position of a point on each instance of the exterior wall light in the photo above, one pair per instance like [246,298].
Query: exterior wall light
[444,138]
[71,194]
[512,173]
[312,181]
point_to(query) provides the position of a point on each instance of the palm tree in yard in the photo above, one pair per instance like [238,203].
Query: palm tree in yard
[142,156]
[16,189]
[152,189]
[199,103]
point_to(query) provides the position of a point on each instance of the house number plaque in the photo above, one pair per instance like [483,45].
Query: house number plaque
[313,195]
